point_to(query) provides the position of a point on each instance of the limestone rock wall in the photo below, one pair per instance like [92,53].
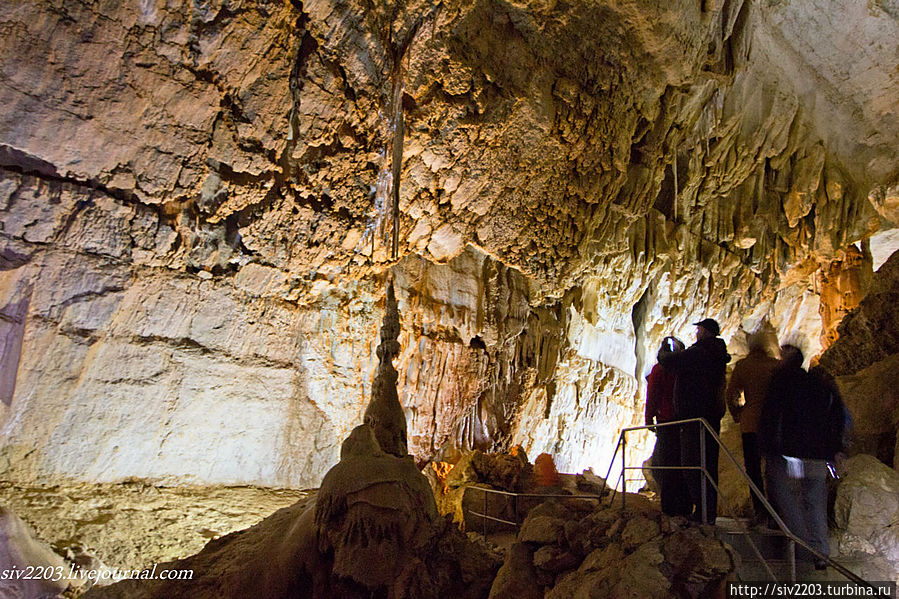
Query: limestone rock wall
[120,367]
[871,332]
[864,360]
[843,284]
[132,369]
[193,200]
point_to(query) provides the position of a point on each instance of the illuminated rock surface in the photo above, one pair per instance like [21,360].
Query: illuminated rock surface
[384,414]
[194,199]
[864,360]
[192,279]
[373,530]
[865,509]
[134,525]
[571,550]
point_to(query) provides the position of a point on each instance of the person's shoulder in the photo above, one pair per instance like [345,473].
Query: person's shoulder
[768,362]
[768,358]
[741,366]
[719,347]
[781,376]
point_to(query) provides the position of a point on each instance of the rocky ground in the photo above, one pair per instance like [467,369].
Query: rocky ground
[564,547]
[134,525]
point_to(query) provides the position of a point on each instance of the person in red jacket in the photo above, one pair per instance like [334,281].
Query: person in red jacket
[660,408]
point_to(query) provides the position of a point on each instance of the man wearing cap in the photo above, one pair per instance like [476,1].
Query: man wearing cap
[699,393]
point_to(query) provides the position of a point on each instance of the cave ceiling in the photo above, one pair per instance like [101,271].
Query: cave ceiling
[539,131]
[602,171]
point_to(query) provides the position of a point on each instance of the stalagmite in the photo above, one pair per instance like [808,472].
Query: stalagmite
[384,413]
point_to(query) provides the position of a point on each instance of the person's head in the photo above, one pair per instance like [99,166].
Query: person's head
[764,339]
[791,356]
[706,329]
[671,344]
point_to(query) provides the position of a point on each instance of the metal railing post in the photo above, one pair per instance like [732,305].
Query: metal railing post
[485,513]
[704,429]
[515,509]
[623,471]
[702,476]
[791,559]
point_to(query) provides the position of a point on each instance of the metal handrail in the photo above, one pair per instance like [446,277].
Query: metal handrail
[623,480]
[485,517]
[622,443]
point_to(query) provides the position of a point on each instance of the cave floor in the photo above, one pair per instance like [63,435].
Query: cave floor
[135,524]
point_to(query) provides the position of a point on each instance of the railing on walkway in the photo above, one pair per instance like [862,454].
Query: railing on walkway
[702,428]
[485,517]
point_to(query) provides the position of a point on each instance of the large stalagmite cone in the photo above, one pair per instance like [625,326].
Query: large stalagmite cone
[384,413]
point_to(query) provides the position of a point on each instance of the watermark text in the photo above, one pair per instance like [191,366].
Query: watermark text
[94,575]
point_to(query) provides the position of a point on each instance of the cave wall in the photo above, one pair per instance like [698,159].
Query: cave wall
[192,206]
[864,359]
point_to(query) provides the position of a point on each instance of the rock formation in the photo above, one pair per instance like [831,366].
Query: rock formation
[374,509]
[190,193]
[574,550]
[192,207]
[871,332]
[25,560]
[461,494]
[843,284]
[864,361]
[374,529]
[384,413]
[866,509]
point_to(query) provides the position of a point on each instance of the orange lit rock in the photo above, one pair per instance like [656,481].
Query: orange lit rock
[190,189]
[441,470]
[545,472]
[843,284]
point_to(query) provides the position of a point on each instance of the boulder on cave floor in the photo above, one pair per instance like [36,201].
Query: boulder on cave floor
[567,550]
[866,511]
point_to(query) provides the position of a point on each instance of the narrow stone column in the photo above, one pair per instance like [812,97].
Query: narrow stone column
[384,413]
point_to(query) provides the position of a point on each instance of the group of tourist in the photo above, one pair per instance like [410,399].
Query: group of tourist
[792,419]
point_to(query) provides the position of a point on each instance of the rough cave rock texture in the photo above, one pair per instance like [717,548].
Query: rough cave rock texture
[572,549]
[21,550]
[865,359]
[373,531]
[193,195]
[866,508]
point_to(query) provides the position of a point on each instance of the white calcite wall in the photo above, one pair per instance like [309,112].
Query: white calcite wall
[178,379]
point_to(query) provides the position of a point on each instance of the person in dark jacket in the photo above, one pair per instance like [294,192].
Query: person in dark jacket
[699,393]
[801,429]
[659,409]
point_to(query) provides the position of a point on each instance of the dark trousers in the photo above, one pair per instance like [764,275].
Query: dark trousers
[675,500]
[801,499]
[752,460]
[696,481]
